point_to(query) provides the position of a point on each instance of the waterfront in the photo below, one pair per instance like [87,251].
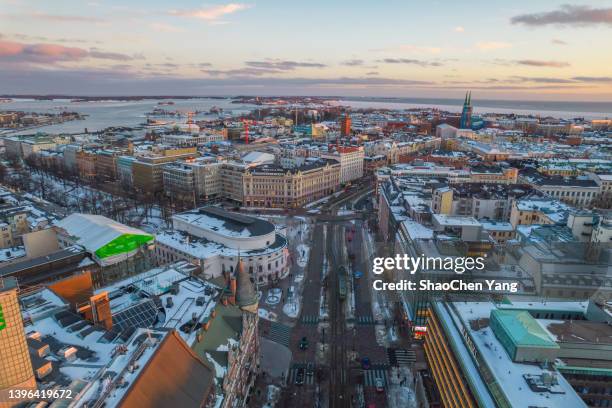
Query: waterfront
[104,114]
[100,115]
[555,109]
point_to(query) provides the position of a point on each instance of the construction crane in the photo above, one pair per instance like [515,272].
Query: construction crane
[245,123]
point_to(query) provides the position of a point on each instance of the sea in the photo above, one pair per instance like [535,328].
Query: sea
[556,109]
[112,113]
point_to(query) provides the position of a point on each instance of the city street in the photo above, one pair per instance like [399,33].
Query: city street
[341,335]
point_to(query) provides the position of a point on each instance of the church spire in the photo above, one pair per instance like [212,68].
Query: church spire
[466,113]
[246,295]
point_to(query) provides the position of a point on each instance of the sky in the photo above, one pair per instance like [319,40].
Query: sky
[535,50]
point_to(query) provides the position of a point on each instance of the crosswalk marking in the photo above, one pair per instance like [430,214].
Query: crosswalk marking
[308,372]
[279,333]
[401,357]
[370,377]
[364,320]
[405,357]
[310,319]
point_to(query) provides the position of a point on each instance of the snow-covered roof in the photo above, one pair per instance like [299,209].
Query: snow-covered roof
[507,373]
[496,225]
[258,157]
[417,230]
[95,231]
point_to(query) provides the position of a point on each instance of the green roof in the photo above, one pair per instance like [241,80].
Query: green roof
[2,320]
[523,329]
[226,325]
[122,244]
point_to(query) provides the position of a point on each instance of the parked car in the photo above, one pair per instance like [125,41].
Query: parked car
[299,377]
[365,363]
[303,343]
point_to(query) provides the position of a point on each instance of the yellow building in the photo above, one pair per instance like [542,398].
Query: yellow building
[542,211]
[454,390]
[15,364]
[482,174]
[442,202]
[559,170]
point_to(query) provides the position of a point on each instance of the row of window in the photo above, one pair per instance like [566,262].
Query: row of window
[558,193]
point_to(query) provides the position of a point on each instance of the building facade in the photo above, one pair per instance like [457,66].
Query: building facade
[16,368]
[213,239]
[273,186]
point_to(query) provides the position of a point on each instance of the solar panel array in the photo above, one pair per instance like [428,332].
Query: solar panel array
[141,315]
[110,335]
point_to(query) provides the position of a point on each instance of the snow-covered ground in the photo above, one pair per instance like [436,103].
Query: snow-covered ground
[273,393]
[400,393]
[266,314]
[303,252]
[292,308]
[78,197]
[323,312]
[346,212]
[274,296]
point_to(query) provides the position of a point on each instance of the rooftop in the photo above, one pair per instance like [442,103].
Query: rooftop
[226,223]
[203,248]
[141,313]
[135,301]
[455,220]
[581,331]
[33,262]
[307,166]
[7,284]
[508,376]
[103,236]
[523,329]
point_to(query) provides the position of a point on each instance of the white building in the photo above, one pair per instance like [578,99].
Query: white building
[603,231]
[446,131]
[190,139]
[214,238]
[351,162]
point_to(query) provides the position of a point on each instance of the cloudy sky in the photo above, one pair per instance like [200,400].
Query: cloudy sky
[499,49]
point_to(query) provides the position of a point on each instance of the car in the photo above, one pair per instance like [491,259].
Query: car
[299,377]
[365,363]
[380,384]
[358,274]
[303,343]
